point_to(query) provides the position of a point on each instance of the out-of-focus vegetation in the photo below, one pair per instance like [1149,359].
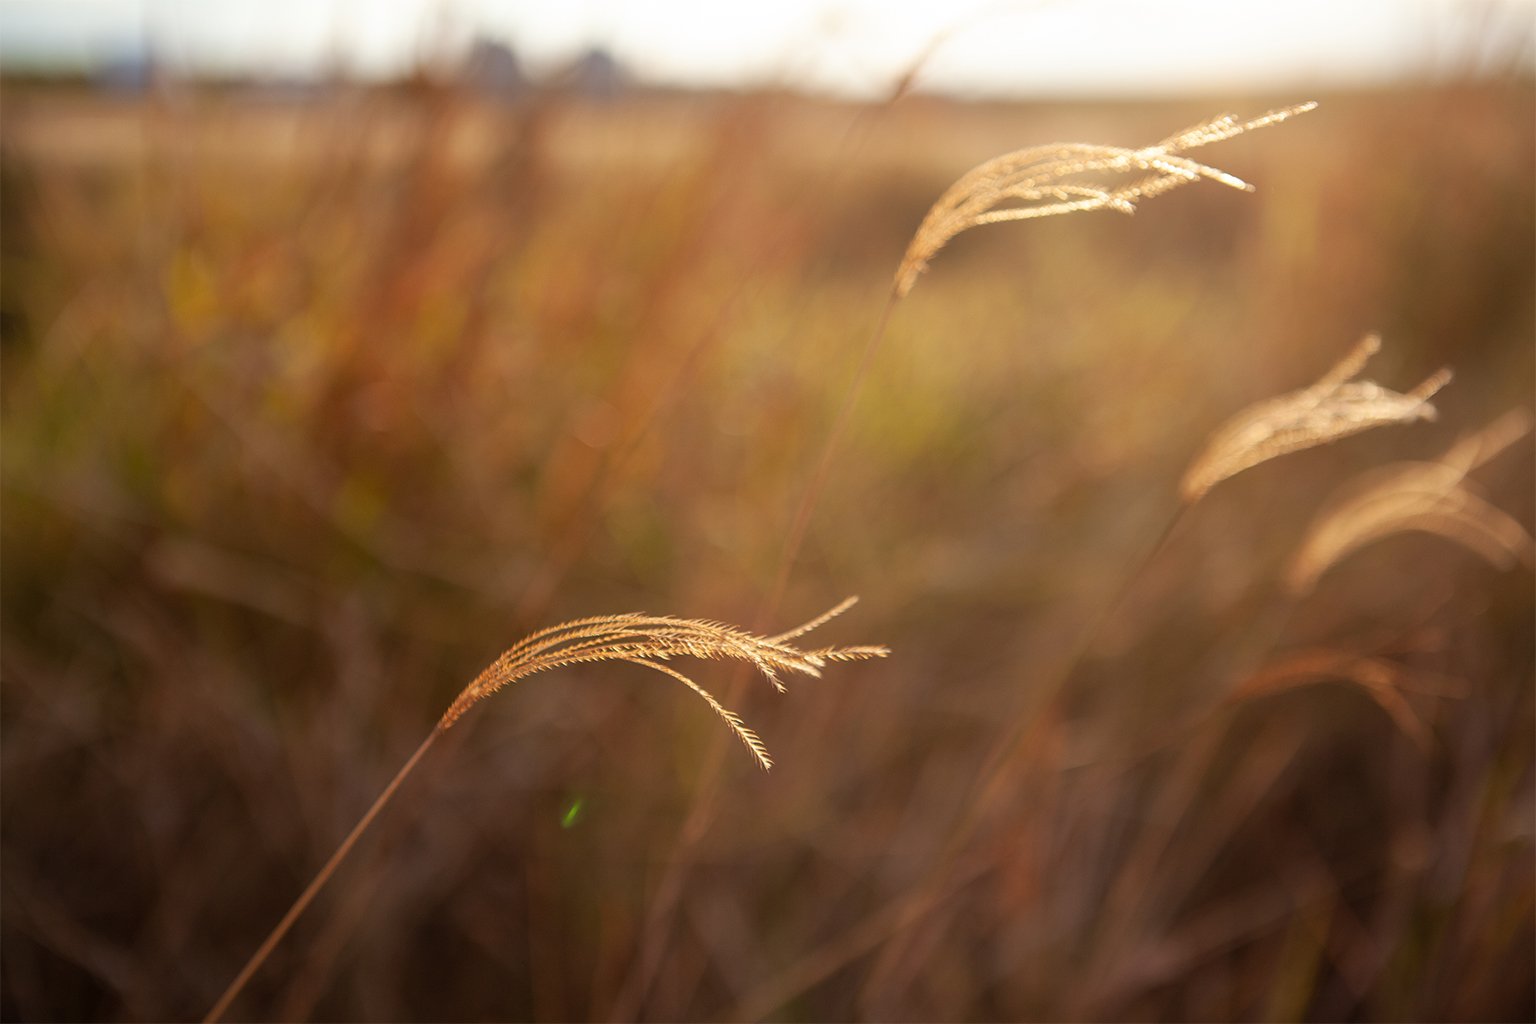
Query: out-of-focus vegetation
[310,408]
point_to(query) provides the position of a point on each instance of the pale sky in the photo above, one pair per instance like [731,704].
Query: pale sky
[854,47]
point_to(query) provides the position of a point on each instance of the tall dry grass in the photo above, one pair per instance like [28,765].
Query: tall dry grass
[303,405]
[1042,182]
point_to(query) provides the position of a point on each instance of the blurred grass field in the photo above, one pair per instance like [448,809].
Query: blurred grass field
[313,407]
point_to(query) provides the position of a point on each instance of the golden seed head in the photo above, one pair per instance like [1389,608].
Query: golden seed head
[1044,181]
[1333,408]
[649,641]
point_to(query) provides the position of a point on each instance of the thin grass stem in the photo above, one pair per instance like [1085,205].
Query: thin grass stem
[308,895]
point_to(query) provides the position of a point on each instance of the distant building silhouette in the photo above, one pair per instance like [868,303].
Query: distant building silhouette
[492,66]
[596,74]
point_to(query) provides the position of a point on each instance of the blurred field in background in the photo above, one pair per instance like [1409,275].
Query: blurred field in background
[313,406]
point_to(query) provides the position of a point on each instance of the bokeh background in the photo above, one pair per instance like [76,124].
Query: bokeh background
[341,350]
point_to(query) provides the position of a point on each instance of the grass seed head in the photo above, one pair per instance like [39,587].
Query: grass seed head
[1335,407]
[1044,181]
[650,641]
[1433,497]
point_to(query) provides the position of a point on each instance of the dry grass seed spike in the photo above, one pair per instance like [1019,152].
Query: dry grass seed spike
[648,641]
[645,640]
[1432,497]
[1067,177]
[1336,406]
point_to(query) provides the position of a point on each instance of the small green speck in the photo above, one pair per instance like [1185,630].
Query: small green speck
[572,813]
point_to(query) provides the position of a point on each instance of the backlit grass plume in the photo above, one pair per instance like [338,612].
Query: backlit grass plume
[645,640]
[1432,497]
[1335,407]
[651,640]
[1043,181]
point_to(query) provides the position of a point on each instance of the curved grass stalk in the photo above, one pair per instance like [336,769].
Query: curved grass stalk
[643,640]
